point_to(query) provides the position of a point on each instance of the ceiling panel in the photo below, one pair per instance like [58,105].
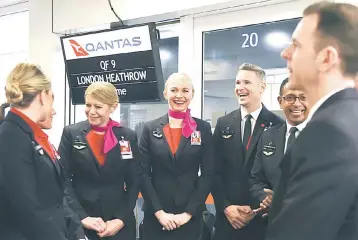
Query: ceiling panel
[10,2]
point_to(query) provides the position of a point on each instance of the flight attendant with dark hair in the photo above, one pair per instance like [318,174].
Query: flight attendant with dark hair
[101,159]
[175,147]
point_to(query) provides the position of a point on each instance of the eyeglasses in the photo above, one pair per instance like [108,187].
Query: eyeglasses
[292,99]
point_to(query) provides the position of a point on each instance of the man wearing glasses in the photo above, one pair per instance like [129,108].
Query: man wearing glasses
[274,142]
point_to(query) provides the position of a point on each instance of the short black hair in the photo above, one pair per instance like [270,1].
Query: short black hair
[283,83]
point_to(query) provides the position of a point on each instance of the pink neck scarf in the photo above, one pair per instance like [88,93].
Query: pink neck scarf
[189,124]
[110,140]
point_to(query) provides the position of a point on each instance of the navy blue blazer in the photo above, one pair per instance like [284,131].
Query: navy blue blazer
[31,186]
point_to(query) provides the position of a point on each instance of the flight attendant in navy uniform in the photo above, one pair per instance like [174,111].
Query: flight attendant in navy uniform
[31,185]
[274,143]
[236,137]
[175,146]
[101,159]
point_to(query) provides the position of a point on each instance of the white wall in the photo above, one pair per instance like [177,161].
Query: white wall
[13,45]
[43,47]
[71,14]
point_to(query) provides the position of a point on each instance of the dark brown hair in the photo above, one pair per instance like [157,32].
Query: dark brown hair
[338,26]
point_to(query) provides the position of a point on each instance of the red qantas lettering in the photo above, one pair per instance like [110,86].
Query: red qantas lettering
[77,49]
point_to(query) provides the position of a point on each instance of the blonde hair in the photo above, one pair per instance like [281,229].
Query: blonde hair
[24,83]
[104,92]
[254,68]
[178,76]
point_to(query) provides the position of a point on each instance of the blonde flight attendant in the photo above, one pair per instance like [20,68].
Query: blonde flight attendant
[176,147]
[31,186]
[101,159]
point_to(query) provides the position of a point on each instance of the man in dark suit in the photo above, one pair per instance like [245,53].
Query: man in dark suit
[235,138]
[317,197]
[274,142]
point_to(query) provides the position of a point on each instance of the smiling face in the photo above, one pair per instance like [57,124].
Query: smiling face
[294,105]
[179,92]
[248,89]
[98,113]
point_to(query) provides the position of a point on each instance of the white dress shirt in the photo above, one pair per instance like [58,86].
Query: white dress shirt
[299,127]
[348,84]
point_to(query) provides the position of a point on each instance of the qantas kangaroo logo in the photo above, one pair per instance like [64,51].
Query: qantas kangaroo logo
[77,49]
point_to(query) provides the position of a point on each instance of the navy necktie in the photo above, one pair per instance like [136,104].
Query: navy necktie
[247,132]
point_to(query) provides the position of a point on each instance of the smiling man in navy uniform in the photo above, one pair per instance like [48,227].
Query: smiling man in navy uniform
[236,136]
[274,142]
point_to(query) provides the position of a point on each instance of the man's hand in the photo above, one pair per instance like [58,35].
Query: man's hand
[232,214]
[113,227]
[181,219]
[245,214]
[166,220]
[94,223]
[266,203]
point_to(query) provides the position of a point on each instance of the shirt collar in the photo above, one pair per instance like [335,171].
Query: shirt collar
[34,127]
[255,114]
[315,107]
[299,127]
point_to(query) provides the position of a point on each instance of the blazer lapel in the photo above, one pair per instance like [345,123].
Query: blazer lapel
[237,140]
[84,133]
[113,158]
[261,123]
[258,129]
[48,157]
[182,144]
[279,140]
[164,121]
[56,162]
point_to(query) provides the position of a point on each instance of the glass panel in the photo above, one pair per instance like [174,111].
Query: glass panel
[225,50]
[134,115]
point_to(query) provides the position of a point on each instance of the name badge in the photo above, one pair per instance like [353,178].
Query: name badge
[126,149]
[196,138]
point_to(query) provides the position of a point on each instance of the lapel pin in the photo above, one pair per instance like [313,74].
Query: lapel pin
[227,133]
[227,136]
[267,153]
[41,151]
[157,133]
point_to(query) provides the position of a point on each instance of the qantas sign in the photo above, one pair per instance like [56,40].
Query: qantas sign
[108,43]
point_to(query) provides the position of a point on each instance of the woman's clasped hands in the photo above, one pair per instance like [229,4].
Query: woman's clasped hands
[171,221]
[103,229]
